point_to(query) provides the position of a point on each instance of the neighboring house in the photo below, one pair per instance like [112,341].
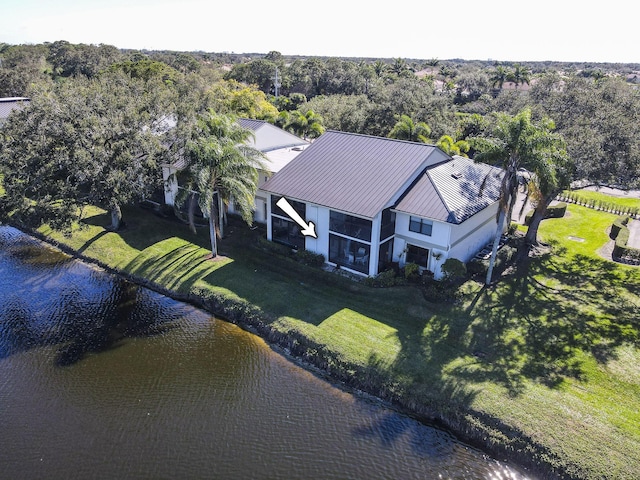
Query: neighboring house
[8,104]
[279,146]
[376,200]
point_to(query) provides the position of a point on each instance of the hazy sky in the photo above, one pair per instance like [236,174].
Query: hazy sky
[468,29]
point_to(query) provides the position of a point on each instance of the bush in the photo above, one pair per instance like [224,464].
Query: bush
[412,272]
[453,269]
[435,291]
[387,278]
[619,224]
[311,259]
[553,211]
[556,211]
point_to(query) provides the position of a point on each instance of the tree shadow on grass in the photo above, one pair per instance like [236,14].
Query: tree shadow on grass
[537,324]
[141,229]
[177,269]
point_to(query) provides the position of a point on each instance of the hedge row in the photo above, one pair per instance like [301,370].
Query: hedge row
[621,251]
[605,206]
[553,211]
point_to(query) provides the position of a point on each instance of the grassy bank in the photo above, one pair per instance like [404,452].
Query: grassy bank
[543,368]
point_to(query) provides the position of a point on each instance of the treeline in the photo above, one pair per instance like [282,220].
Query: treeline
[595,107]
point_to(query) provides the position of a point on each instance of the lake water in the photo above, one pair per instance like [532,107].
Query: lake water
[102,379]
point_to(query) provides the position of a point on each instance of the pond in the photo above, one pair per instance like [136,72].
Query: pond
[101,378]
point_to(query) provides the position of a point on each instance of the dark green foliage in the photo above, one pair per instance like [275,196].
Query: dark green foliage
[388,278]
[310,259]
[453,269]
[619,224]
[84,141]
[553,211]
[412,272]
[621,251]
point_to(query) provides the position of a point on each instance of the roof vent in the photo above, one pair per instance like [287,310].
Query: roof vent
[457,175]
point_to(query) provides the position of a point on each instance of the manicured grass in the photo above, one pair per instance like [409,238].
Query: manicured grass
[548,357]
[602,197]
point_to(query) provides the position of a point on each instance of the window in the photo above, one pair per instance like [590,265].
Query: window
[417,255]
[348,252]
[388,224]
[284,229]
[299,207]
[420,225]
[287,233]
[349,225]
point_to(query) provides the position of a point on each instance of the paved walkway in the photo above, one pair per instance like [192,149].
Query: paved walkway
[634,234]
[614,192]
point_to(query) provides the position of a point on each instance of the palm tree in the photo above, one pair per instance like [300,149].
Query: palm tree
[400,67]
[407,129]
[517,145]
[519,75]
[551,174]
[222,166]
[448,145]
[306,125]
[380,68]
[500,75]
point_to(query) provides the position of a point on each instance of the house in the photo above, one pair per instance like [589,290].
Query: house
[8,104]
[279,146]
[376,200]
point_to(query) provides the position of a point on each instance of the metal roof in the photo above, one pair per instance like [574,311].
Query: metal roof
[354,173]
[453,191]
[7,105]
[268,137]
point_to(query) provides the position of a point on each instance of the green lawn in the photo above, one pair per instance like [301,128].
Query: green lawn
[622,201]
[548,358]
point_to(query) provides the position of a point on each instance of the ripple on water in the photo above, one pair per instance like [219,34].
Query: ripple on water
[102,379]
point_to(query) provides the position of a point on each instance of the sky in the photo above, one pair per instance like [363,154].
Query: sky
[500,30]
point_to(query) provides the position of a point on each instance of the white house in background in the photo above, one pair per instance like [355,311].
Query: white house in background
[378,200]
[9,104]
[279,146]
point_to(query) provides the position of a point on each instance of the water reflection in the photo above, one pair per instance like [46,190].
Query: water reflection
[102,379]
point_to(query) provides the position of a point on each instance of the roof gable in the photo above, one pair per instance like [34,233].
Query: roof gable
[453,191]
[354,173]
[268,137]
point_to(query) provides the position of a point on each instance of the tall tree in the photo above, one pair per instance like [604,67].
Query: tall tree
[499,76]
[520,75]
[516,143]
[84,142]
[406,129]
[222,166]
[452,147]
[305,124]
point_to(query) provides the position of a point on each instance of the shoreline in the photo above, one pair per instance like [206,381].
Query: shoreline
[476,429]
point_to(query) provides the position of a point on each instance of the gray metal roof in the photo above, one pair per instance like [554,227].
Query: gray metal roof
[268,137]
[354,173]
[7,105]
[453,191]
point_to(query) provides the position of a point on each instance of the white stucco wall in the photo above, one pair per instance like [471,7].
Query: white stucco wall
[170,184]
[461,241]
[471,236]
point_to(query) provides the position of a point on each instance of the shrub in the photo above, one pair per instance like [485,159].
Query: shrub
[619,224]
[453,269]
[553,211]
[412,272]
[387,278]
[311,259]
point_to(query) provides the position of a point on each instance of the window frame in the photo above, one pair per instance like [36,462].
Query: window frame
[425,227]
